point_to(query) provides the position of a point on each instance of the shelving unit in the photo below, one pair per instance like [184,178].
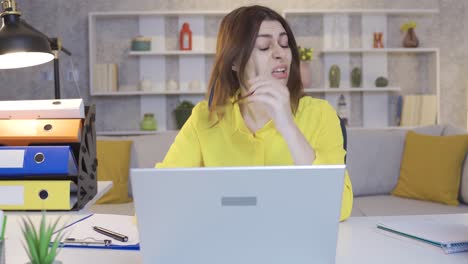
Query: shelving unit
[170,53]
[110,35]
[129,93]
[341,37]
[345,38]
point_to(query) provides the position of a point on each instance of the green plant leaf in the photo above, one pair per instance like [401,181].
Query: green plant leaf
[33,228]
[43,240]
[27,232]
[26,249]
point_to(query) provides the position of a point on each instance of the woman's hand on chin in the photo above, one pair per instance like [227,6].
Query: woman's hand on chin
[274,95]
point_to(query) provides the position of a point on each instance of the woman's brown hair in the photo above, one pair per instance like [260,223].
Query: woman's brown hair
[236,39]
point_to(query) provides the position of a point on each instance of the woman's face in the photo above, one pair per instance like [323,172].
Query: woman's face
[271,55]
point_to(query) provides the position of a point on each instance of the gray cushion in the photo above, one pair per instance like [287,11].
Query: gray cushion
[380,205]
[374,157]
[450,130]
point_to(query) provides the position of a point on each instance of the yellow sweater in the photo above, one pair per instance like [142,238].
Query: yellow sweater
[228,142]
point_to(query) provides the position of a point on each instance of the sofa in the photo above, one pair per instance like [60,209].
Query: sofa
[373,162]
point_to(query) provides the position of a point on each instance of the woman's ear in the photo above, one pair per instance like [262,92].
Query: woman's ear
[235,67]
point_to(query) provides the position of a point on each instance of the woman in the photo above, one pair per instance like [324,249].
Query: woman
[256,113]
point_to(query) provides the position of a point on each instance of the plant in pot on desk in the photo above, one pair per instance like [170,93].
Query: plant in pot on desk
[39,244]
[305,55]
[183,112]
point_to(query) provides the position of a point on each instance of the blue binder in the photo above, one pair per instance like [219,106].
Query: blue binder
[17,162]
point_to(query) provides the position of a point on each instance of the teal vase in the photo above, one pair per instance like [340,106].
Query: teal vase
[334,76]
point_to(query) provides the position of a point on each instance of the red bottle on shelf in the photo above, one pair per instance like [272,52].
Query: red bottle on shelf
[185,38]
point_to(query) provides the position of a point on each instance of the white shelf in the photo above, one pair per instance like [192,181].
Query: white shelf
[170,53]
[361,11]
[126,93]
[160,13]
[385,50]
[126,133]
[351,90]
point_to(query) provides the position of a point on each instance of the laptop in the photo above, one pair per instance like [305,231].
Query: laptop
[232,215]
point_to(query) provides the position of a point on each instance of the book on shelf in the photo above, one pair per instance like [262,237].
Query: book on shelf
[105,77]
[419,110]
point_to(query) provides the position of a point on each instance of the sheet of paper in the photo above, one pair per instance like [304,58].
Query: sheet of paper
[122,224]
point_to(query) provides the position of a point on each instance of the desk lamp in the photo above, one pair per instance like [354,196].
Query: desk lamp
[21,45]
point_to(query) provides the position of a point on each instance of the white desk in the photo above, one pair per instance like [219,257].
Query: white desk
[359,242]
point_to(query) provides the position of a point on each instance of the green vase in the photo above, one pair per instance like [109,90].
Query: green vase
[148,123]
[334,76]
[356,77]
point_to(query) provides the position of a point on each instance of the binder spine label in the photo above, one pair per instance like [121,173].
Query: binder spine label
[11,158]
[11,195]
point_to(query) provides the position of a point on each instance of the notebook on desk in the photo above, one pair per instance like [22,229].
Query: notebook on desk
[235,215]
[450,237]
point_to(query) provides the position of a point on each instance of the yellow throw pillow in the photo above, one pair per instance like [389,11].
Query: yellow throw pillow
[113,165]
[431,167]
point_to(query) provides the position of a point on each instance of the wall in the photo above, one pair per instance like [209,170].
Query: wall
[69,20]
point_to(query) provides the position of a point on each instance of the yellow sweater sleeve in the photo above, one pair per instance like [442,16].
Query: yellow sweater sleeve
[329,150]
[185,151]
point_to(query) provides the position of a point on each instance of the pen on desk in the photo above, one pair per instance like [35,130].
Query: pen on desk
[106,232]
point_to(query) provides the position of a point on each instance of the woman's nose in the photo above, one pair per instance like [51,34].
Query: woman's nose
[278,52]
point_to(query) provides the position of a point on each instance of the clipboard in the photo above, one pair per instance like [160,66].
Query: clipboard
[82,229]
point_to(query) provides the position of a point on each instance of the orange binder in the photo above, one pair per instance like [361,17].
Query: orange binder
[23,132]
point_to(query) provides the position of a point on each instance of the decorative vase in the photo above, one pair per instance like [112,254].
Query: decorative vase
[148,123]
[334,76]
[410,40]
[304,68]
[356,77]
[381,82]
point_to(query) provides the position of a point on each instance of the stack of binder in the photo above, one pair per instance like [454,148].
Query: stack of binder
[47,154]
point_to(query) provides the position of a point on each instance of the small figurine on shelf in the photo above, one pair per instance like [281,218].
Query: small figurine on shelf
[343,109]
[378,40]
[185,38]
[410,40]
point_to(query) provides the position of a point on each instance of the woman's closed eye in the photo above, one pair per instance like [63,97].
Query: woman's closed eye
[265,48]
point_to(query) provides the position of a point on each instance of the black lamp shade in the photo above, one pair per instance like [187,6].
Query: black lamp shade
[22,46]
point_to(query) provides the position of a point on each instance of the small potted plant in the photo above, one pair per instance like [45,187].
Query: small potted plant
[410,40]
[183,112]
[305,55]
[39,245]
